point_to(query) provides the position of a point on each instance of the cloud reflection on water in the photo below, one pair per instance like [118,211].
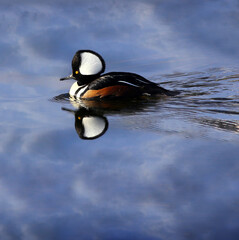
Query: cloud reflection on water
[147,35]
[161,181]
[54,186]
[143,190]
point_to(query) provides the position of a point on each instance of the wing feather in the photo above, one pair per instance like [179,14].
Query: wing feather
[122,78]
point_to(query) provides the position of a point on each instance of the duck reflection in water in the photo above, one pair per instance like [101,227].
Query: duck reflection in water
[90,120]
[89,124]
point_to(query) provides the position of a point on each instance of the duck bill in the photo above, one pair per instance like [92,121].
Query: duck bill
[67,78]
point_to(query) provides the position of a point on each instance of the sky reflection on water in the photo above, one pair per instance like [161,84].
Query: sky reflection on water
[165,168]
[42,38]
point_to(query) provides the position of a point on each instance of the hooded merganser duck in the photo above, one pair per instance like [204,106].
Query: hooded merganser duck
[87,67]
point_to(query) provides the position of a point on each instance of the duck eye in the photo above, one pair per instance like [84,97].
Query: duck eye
[76,72]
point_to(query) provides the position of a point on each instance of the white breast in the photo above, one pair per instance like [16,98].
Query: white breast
[75,88]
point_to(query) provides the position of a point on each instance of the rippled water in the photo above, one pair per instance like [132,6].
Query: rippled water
[151,168]
[206,100]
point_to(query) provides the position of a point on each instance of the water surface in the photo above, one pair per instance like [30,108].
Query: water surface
[162,167]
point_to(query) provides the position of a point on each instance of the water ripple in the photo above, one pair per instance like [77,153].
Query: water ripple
[208,98]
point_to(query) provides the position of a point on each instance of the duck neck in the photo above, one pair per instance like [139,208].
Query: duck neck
[86,79]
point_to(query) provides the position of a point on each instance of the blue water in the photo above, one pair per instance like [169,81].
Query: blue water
[162,168]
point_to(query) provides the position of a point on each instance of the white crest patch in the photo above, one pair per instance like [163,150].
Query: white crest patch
[90,64]
[93,126]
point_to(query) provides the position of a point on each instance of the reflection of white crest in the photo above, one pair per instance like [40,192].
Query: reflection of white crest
[93,126]
[90,64]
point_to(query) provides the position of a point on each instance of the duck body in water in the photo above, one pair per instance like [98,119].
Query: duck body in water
[87,67]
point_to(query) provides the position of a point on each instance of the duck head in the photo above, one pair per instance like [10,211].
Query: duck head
[86,65]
